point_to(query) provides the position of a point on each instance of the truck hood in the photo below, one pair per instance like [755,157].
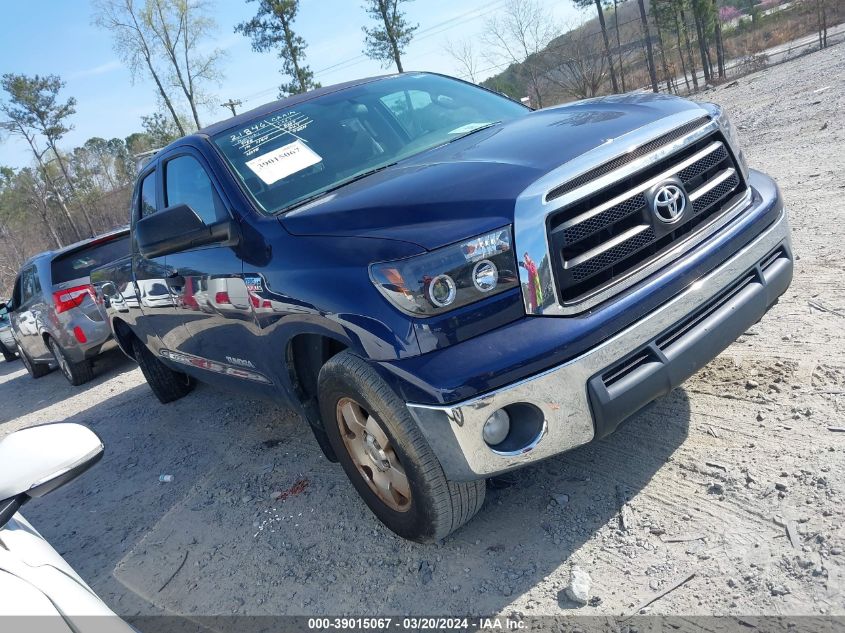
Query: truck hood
[470,185]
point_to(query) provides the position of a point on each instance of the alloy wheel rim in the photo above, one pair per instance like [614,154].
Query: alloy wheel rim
[60,359]
[373,454]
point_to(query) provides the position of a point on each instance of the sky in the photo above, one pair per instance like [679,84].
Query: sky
[59,38]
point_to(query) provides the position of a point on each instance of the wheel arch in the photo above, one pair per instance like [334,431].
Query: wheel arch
[305,355]
[123,335]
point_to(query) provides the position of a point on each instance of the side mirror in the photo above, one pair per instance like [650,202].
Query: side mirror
[39,459]
[179,228]
[108,289]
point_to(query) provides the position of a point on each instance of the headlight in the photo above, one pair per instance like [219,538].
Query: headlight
[449,277]
[732,137]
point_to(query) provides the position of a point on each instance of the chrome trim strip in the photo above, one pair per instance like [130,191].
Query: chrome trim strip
[454,432]
[606,246]
[214,366]
[532,209]
[711,184]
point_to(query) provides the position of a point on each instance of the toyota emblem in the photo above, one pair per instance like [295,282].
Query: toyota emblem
[669,204]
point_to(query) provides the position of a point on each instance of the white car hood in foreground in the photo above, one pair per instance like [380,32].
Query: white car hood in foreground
[35,580]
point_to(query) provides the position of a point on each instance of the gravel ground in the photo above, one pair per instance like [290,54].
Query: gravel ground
[703,482]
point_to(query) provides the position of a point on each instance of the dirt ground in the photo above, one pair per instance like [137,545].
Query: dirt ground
[703,482]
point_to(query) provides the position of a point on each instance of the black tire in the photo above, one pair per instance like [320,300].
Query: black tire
[7,355]
[437,506]
[36,370]
[167,385]
[76,373]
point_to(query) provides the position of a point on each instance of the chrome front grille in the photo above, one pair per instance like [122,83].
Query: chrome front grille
[612,232]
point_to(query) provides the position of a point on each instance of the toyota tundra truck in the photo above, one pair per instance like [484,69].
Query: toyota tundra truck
[445,284]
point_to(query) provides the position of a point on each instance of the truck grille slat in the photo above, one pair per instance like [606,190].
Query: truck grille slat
[615,254]
[714,195]
[578,232]
[613,231]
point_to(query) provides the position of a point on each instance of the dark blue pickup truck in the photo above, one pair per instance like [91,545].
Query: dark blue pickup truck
[445,284]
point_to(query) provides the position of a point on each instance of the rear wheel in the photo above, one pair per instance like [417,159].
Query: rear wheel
[7,355]
[76,373]
[36,370]
[167,385]
[386,456]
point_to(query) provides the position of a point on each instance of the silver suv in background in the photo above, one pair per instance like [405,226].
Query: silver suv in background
[53,311]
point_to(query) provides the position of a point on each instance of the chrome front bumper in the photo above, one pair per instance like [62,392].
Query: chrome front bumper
[561,393]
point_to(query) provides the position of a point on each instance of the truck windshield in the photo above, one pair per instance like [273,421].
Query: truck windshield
[295,154]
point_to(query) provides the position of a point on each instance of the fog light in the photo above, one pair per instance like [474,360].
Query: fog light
[485,275]
[496,428]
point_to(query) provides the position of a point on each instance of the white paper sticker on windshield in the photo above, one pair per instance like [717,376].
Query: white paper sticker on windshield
[281,163]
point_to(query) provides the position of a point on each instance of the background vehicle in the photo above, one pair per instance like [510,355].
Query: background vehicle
[34,579]
[445,284]
[53,312]
[154,294]
[8,347]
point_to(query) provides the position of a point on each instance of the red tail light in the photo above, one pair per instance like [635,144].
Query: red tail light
[222,297]
[72,297]
[258,302]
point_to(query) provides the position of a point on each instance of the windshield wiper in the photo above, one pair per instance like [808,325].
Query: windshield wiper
[474,130]
[334,187]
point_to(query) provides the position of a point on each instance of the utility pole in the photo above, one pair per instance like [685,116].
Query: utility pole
[231,104]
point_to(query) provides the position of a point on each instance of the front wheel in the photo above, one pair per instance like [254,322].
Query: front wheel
[76,373]
[386,456]
[167,385]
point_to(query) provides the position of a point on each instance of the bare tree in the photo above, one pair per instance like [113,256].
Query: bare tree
[387,41]
[14,125]
[821,18]
[652,72]
[518,36]
[181,28]
[684,29]
[134,43]
[616,4]
[583,4]
[464,55]
[580,64]
[702,15]
[37,195]
[34,104]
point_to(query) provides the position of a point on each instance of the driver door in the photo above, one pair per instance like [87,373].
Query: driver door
[207,282]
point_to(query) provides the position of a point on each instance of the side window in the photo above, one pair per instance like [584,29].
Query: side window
[148,195]
[16,293]
[186,182]
[29,284]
